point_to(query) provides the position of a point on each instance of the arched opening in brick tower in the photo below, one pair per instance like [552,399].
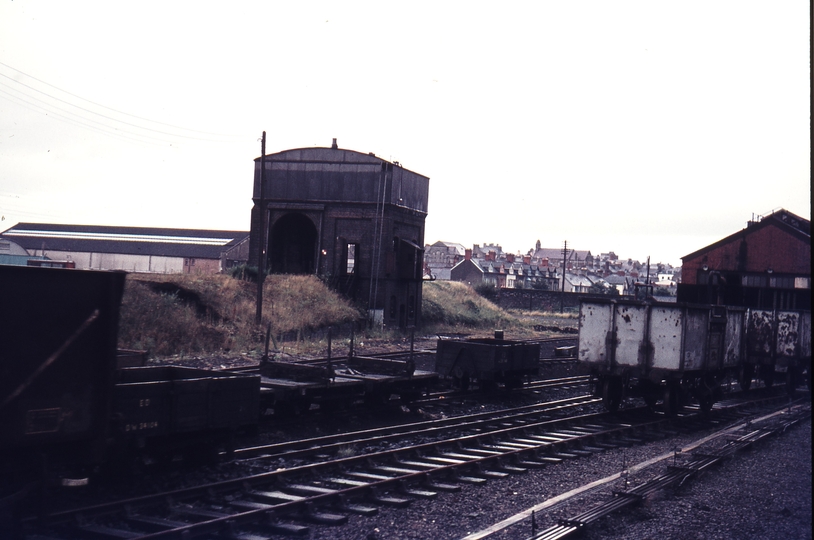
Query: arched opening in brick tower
[292,245]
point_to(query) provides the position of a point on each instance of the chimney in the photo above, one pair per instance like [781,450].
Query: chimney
[527,259]
[510,257]
[468,254]
[333,145]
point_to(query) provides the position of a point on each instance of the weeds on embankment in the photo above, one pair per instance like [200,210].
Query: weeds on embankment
[181,314]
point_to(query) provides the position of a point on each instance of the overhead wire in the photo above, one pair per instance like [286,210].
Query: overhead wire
[106,107]
[98,117]
[38,108]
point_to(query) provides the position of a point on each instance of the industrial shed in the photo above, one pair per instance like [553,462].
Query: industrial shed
[134,249]
[13,254]
[353,219]
[767,265]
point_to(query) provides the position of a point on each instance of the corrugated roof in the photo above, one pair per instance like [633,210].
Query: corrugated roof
[196,243]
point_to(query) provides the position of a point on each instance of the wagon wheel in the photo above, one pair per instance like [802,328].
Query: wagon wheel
[707,386]
[671,400]
[747,373]
[376,400]
[767,375]
[650,401]
[513,382]
[460,378]
[612,393]
[791,381]
[596,384]
[705,401]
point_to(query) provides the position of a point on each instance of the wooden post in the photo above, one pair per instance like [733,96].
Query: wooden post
[562,291]
[258,318]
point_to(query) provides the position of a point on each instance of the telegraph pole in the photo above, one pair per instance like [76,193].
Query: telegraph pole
[562,291]
[261,275]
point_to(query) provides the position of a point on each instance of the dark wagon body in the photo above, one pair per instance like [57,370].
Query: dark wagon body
[486,360]
[173,402]
[57,359]
[67,404]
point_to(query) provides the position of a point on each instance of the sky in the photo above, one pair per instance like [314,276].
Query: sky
[647,128]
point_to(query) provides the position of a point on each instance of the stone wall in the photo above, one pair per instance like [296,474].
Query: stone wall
[538,300]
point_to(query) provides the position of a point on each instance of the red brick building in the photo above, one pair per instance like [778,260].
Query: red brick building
[765,265]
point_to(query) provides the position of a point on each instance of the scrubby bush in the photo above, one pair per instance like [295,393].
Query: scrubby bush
[487,291]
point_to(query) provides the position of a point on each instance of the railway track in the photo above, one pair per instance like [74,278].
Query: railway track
[482,423]
[328,488]
[701,458]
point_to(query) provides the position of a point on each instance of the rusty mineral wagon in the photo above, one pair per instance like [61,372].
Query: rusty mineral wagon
[660,350]
[486,361]
[779,342]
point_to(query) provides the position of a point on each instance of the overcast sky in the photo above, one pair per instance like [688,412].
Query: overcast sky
[646,128]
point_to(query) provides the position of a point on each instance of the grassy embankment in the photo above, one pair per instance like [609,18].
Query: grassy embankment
[193,315]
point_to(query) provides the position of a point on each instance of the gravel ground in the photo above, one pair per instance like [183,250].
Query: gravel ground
[763,493]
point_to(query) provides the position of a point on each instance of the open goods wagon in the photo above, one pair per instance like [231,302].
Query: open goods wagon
[486,361]
[165,408]
[779,341]
[67,406]
[57,362]
[660,350]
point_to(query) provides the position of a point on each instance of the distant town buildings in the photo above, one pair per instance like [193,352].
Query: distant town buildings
[572,270]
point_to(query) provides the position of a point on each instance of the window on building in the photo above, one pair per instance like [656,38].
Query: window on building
[802,283]
[351,252]
[781,282]
[753,281]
